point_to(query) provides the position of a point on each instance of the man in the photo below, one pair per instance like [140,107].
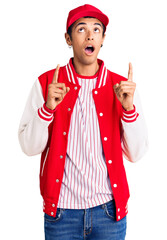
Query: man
[82,117]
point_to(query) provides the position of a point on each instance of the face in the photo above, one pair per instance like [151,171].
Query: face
[87,37]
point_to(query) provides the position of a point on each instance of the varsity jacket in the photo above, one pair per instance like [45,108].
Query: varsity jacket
[44,131]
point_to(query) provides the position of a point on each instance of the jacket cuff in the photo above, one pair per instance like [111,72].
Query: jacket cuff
[129,116]
[45,113]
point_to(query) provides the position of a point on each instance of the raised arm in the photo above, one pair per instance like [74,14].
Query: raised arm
[134,131]
[33,129]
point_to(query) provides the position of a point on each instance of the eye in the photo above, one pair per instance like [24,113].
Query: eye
[97,30]
[81,29]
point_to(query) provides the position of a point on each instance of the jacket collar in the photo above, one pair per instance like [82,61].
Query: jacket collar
[102,76]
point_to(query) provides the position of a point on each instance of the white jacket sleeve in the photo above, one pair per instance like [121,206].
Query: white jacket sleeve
[33,128]
[134,136]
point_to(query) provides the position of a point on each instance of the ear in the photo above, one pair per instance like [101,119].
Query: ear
[68,39]
[103,38]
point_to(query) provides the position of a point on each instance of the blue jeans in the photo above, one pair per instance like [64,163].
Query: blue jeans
[96,223]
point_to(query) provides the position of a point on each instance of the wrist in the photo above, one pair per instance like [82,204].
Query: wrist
[48,108]
[128,108]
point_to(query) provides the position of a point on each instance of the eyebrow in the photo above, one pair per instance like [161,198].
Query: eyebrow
[82,23]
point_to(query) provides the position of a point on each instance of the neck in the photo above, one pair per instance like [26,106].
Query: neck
[85,69]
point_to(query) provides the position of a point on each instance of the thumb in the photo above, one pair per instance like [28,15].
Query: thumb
[68,89]
[116,85]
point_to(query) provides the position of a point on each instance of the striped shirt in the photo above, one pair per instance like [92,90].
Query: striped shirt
[85,181]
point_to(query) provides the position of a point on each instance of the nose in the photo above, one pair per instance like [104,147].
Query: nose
[90,36]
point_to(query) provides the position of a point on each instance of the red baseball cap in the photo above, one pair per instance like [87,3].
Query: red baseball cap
[83,11]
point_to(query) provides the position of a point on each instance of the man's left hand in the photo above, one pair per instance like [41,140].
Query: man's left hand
[125,91]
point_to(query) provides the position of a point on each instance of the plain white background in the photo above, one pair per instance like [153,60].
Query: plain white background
[32,42]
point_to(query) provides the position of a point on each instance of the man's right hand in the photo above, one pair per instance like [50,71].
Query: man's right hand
[55,94]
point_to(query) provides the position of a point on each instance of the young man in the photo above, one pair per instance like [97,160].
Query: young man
[82,118]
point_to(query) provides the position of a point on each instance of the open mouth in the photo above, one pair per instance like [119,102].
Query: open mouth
[89,49]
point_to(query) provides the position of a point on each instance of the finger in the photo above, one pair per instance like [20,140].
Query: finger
[128,83]
[62,86]
[58,90]
[125,89]
[55,76]
[67,89]
[116,86]
[121,85]
[129,91]
[58,96]
[55,95]
[130,73]
[62,91]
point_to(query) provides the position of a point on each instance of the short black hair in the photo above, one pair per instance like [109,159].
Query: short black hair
[69,31]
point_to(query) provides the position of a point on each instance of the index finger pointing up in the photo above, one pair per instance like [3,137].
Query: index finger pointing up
[130,72]
[55,76]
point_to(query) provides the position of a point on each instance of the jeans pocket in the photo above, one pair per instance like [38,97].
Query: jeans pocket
[58,216]
[110,210]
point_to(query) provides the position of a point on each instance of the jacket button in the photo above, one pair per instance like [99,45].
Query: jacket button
[110,161]
[64,133]
[115,185]
[53,205]
[75,88]
[119,217]
[118,209]
[57,180]
[101,114]
[96,92]
[61,156]
[105,138]
[69,109]
[52,213]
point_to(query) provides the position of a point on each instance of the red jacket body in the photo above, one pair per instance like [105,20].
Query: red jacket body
[53,157]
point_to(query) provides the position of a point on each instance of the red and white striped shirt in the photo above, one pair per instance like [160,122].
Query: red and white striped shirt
[85,181]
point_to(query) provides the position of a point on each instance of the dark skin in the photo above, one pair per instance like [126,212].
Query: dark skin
[88,32]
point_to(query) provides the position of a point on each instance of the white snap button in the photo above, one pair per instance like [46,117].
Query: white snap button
[101,114]
[52,213]
[75,88]
[119,217]
[61,156]
[64,133]
[118,209]
[53,205]
[115,185]
[96,92]
[110,161]
[69,109]
[105,138]
[57,180]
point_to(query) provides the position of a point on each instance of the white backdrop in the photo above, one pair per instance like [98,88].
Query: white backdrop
[32,42]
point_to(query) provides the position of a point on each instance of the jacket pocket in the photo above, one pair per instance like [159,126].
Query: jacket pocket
[44,162]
